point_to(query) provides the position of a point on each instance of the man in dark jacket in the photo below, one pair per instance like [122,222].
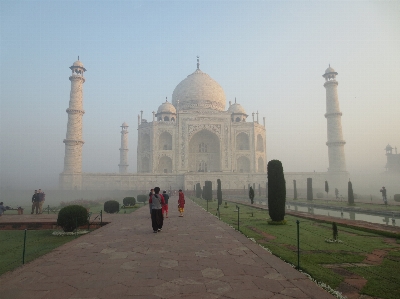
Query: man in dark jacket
[35,202]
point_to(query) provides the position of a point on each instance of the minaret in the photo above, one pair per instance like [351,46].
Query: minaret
[72,174]
[335,143]
[123,151]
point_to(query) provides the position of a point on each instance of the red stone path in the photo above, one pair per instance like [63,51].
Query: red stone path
[196,256]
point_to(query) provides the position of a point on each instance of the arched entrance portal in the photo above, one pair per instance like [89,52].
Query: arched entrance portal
[204,152]
[165,165]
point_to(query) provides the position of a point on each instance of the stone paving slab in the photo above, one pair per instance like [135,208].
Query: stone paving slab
[195,256]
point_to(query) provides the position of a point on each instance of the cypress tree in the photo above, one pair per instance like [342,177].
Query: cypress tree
[219,192]
[334,231]
[251,195]
[326,188]
[309,189]
[350,193]
[198,190]
[294,190]
[208,190]
[276,190]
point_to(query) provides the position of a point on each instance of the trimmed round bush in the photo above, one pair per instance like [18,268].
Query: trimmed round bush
[142,198]
[111,206]
[129,201]
[71,216]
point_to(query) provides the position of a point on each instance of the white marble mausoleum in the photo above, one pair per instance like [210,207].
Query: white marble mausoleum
[197,136]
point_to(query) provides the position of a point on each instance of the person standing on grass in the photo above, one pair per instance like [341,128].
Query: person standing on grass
[181,203]
[2,209]
[42,198]
[165,207]
[35,202]
[383,190]
[157,201]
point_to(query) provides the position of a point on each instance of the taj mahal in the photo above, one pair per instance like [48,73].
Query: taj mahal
[193,138]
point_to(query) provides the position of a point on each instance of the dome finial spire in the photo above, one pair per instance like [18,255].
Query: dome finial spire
[235,100]
[78,57]
[198,62]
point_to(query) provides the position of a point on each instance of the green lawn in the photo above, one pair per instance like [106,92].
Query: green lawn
[315,252]
[38,243]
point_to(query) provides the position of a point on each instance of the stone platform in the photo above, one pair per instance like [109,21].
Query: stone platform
[196,256]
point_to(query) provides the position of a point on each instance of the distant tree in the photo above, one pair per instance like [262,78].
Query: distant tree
[350,194]
[326,188]
[198,190]
[309,189]
[251,195]
[294,190]
[219,192]
[207,190]
[276,190]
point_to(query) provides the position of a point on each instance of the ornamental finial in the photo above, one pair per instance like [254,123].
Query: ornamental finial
[198,62]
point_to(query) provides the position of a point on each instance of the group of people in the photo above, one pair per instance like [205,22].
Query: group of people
[158,204]
[38,199]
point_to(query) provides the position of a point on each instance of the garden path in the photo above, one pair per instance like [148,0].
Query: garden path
[196,256]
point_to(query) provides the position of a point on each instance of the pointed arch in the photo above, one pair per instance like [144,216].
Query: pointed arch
[204,152]
[242,142]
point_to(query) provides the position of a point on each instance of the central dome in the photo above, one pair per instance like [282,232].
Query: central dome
[198,91]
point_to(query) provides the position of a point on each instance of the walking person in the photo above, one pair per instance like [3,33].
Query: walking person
[383,190]
[150,195]
[165,206]
[35,202]
[181,203]
[42,198]
[157,201]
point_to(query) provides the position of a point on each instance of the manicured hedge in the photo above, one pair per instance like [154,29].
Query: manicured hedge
[129,201]
[72,216]
[142,198]
[111,206]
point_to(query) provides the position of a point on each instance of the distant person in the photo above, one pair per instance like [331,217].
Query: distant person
[35,202]
[2,209]
[150,195]
[157,201]
[165,206]
[181,203]
[42,198]
[337,193]
[384,198]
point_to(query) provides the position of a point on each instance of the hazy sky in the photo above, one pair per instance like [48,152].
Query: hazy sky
[270,55]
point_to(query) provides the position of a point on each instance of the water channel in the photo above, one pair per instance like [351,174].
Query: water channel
[379,217]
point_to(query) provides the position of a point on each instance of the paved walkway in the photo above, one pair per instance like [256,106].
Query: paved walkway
[196,256]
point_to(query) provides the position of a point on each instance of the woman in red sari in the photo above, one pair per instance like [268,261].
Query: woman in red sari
[181,203]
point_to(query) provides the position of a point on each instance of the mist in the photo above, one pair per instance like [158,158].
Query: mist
[270,56]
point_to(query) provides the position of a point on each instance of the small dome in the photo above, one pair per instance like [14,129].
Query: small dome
[237,109]
[166,107]
[124,125]
[78,63]
[329,70]
[389,147]
[199,91]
